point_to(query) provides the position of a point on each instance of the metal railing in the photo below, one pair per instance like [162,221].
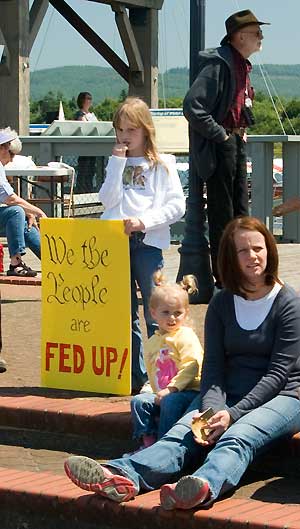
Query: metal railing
[260,149]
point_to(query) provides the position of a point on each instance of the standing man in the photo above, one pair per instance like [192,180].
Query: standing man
[218,108]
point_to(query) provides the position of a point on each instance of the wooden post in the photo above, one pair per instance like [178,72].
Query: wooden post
[144,23]
[14,83]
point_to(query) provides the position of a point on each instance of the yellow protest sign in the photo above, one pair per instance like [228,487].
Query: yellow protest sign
[86,329]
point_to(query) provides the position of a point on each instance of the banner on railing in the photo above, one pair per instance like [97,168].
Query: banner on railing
[86,328]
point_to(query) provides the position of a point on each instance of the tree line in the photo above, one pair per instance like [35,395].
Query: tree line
[267,118]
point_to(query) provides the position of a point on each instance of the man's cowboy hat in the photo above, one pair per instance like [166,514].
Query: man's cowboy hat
[238,21]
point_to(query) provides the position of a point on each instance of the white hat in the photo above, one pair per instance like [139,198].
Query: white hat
[7,135]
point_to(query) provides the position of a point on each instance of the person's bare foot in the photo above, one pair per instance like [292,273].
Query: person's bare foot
[290,205]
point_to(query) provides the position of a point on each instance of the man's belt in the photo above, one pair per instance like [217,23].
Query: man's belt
[240,131]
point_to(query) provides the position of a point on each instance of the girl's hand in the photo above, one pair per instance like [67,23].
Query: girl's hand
[120,149]
[163,393]
[217,425]
[133,224]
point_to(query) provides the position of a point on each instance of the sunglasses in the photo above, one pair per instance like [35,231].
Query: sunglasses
[257,33]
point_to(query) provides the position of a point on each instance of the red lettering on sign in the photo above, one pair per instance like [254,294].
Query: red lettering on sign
[64,356]
[78,358]
[49,354]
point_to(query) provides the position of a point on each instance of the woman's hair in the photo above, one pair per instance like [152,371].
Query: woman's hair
[230,272]
[81,98]
[15,146]
[165,290]
[137,112]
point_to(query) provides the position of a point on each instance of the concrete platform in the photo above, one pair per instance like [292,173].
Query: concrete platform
[40,427]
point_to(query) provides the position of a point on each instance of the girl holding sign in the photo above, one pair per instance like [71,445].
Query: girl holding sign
[173,357]
[143,188]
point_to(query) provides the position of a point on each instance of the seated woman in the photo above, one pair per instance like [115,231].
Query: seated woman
[17,216]
[250,377]
[17,160]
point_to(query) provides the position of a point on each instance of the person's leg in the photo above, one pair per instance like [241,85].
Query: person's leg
[144,413]
[228,187]
[148,260]
[172,408]
[226,463]
[33,239]
[144,261]
[138,369]
[149,469]
[220,189]
[12,219]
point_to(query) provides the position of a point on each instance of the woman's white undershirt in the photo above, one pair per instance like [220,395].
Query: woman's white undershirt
[251,313]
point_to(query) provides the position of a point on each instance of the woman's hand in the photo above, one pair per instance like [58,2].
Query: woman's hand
[133,224]
[216,426]
[163,393]
[120,149]
[32,218]
[31,221]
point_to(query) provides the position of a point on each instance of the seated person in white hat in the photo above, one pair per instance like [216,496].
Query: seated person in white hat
[17,160]
[17,216]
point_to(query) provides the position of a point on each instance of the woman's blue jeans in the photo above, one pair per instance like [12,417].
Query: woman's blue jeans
[144,261]
[223,467]
[150,419]
[13,220]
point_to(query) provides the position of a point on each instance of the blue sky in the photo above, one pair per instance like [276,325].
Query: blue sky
[58,44]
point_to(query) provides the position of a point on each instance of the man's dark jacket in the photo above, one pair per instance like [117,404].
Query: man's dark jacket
[206,105]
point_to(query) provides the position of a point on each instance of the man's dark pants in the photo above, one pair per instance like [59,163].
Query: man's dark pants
[227,192]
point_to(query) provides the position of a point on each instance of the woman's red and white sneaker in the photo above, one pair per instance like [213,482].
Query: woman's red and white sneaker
[187,493]
[90,475]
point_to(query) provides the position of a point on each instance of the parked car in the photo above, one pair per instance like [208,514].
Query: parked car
[277,178]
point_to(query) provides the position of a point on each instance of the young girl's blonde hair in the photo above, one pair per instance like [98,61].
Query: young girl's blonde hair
[165,290]
[138,113]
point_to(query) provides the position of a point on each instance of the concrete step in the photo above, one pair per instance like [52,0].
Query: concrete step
[56,500]
[72,415]
[105,417]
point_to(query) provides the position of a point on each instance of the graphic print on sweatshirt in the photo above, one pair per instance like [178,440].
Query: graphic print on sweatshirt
[133,177]
[166,368]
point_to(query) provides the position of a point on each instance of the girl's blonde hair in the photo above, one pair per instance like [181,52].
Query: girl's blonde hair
[165,290]
[138,113]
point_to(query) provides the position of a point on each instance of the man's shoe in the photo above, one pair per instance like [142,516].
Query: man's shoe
[90,475]
[3,365]
[187,493]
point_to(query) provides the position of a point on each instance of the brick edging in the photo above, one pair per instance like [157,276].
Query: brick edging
[56,495]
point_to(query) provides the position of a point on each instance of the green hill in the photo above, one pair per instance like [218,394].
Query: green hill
[105,82]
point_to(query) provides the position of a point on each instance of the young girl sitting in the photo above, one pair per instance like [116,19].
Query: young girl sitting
[143,188]
[173,357]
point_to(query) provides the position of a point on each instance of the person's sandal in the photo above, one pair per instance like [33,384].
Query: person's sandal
[21,270]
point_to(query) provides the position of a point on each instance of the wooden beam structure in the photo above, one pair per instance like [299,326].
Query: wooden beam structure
[14,86]
[36,17]
[148,4]
[137,22]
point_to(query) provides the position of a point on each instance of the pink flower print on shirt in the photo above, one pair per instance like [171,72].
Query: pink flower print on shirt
[166,368]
